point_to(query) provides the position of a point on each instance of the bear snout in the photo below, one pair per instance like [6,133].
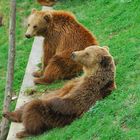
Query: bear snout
[27,35]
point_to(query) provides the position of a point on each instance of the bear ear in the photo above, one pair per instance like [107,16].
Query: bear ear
[47,17]
[33,10]
[105,60]
[106,47]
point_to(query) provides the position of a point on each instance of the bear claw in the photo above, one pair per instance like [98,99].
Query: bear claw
[37,74]
[39,81]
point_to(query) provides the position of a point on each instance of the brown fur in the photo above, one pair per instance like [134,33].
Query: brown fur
[47,2]
[75,98]
[63,34]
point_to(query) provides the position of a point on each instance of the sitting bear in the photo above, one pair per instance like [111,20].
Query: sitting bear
[75,98]
[63,34]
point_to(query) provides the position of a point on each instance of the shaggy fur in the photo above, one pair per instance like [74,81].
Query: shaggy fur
[75,98]
[63,34]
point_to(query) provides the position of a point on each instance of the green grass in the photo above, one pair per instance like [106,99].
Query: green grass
[116,24]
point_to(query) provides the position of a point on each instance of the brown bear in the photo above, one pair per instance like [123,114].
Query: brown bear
[75,98]
[47,2]
[63,34]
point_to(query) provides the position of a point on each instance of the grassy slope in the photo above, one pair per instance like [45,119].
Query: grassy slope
[115,23]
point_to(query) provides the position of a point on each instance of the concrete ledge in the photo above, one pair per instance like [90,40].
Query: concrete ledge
[34,59]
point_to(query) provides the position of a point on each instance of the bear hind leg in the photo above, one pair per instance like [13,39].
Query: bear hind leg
[34,118]
[15,116]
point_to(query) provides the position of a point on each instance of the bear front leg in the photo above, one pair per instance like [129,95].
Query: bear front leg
[69,86]
[52,72]
[108,89]
[63,91]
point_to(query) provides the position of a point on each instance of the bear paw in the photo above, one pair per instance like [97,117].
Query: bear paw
[10,116]
[39,81]
[42,80]
[37,73]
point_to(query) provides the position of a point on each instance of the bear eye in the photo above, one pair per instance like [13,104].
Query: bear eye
[87,54]
[35,27]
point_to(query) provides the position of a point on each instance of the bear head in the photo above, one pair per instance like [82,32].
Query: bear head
[38,23]
[93,56]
